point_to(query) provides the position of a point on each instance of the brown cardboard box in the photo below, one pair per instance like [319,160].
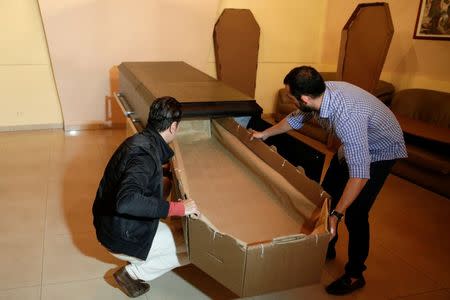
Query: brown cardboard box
[264,224]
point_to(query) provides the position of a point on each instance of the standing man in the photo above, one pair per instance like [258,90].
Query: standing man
[130,203]
[372,141]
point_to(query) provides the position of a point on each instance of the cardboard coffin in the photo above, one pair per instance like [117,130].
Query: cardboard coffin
[263,226]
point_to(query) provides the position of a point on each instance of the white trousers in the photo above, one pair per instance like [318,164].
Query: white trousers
[163,255]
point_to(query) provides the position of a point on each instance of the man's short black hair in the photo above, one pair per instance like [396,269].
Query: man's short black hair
[306,81]
[163,112]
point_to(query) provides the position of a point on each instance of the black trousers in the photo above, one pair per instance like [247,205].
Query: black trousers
[357,214]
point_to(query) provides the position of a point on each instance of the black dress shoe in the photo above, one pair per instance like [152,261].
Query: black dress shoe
[344,285]
[131,287]
[331,253]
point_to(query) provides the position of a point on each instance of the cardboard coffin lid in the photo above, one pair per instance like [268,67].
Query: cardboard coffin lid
[365,41]
[236,44]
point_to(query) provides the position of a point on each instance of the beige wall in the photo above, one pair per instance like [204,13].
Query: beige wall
[410,62]
[28,99]
[87,37]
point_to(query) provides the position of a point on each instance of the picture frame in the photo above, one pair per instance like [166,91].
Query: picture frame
[433,20]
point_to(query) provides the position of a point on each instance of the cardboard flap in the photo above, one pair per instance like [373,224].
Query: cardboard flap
[218,255]
[311,190]
[276,266]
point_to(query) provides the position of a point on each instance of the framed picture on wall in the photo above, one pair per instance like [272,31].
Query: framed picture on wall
[433,20]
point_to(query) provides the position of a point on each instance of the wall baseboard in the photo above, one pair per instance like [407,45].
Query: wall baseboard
[67,127]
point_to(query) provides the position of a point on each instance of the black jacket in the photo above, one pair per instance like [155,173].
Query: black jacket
[129,200]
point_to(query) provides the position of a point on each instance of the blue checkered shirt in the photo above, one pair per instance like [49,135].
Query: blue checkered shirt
[367,128]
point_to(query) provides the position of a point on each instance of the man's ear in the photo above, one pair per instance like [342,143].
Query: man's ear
[305,99]
[173,127]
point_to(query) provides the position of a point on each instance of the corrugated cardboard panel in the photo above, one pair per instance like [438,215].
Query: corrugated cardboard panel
[365,41]
[309,188]
[279,266]
[236,44]
[220,256]
[231,196]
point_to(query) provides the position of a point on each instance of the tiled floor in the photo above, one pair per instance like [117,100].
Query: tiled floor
[48,248]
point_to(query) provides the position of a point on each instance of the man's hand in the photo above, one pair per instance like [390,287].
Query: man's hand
[190,208]
[333,221]
[257,135]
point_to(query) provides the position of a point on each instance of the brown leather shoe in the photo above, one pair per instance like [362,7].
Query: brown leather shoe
[131,287]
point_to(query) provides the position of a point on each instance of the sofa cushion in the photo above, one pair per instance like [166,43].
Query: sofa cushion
[426,159]
[424,105]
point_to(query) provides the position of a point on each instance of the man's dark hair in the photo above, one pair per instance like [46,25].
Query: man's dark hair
[163,112]
[305,80]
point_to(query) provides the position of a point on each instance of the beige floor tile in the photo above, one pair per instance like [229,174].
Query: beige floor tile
[31,164]
[434,295]
[95,289]
[83,165]
[25,157]
[75,257]
[24,200]
[21,260]
[30,141]
[316,292]
[25,293]
[203,283]
[170,286]
[87,166]
[69,207]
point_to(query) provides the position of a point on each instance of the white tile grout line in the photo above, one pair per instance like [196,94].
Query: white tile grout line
[75,280]
[45,219]
[19,287]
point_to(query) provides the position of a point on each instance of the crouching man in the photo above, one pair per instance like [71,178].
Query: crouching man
[130,203]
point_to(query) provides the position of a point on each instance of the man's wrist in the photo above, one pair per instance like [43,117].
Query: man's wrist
[337,214]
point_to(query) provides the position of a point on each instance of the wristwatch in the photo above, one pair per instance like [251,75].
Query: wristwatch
[337,214]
